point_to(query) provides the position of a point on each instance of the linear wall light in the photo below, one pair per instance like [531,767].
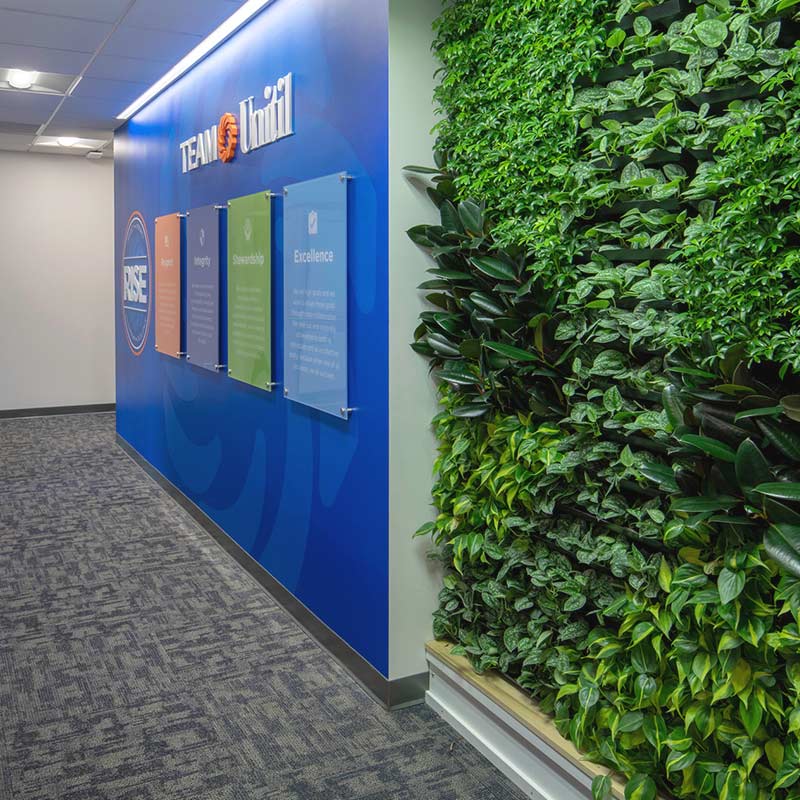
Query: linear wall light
[232,24]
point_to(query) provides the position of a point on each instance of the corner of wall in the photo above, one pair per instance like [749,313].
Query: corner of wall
[414,580]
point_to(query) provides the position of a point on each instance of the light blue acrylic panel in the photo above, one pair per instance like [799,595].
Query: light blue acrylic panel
[315,294]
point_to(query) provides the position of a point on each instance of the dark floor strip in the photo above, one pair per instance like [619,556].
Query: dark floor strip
[49,411]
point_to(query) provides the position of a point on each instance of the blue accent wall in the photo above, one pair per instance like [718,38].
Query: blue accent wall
[304,493]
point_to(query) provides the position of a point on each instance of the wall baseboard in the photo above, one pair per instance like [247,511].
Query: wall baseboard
[392,694]
[49,411]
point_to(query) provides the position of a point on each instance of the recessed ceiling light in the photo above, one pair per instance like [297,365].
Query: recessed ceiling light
[67,141]
[243,14]
[20,79]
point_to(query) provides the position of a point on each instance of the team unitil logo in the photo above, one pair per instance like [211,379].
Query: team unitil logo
[136,283]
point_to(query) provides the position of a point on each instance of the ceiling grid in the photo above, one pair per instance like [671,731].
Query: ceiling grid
[105,52]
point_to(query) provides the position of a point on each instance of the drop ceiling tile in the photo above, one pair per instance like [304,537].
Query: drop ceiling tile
[97,10]
[42,59]
[22,116]
[120,68]
[198,17]
[39,30]
[91,107]
[124,92]
[14,141]
[29,101]
[153,45]
[79,124]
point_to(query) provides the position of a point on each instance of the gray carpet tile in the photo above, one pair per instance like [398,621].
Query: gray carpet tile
[138,661]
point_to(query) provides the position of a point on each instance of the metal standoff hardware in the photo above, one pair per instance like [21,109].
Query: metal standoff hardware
[270,194]
[344,176]
[271,385]
[181,353]
[221,207]
[285,392]
[285,191]
[345,412]
[182,216]
[220,366]
[188,357]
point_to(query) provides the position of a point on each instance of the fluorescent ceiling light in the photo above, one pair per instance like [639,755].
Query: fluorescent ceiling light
[70,142]
[20,79]
[239,17]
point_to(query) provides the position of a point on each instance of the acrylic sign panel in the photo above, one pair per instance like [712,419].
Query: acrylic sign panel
[168,285]
[249,290]
[315,294]
[202,287]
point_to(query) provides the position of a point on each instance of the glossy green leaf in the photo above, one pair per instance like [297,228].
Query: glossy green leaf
[712,447]
[770,411]
[784,440]
[791,406]
[730,584]
[677,760]
[422,170]
[751,715]
[711,32]
[655,731]
[699,505]
[673,405]
[640,787]
[774,750]
[787,776]
[458,375]
[781,490]
[752,467]
[782,543]
[494,268]
[511,352]
[741,675]
[471,216]
[631,721]
[487,303]
[601,787]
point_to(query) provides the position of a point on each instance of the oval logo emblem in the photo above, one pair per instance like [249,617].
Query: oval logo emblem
[136,283]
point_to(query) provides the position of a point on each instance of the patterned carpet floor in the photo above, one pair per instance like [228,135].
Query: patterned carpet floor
[138,661]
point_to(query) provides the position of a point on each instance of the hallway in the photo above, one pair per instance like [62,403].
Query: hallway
[139,661]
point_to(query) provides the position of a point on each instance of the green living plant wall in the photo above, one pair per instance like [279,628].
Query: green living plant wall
[618,483]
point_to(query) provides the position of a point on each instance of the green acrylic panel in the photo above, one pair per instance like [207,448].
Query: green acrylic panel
[250,290]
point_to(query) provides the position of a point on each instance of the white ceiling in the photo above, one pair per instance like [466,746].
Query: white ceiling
[119,47]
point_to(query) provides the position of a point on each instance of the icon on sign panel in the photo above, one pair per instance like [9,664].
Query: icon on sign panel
[202,237]
[313,223]
[248,229]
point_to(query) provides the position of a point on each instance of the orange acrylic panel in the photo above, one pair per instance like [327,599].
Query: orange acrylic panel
[168,285]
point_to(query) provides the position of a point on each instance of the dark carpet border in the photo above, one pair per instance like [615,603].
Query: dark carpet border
[394,694]
[49,411]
